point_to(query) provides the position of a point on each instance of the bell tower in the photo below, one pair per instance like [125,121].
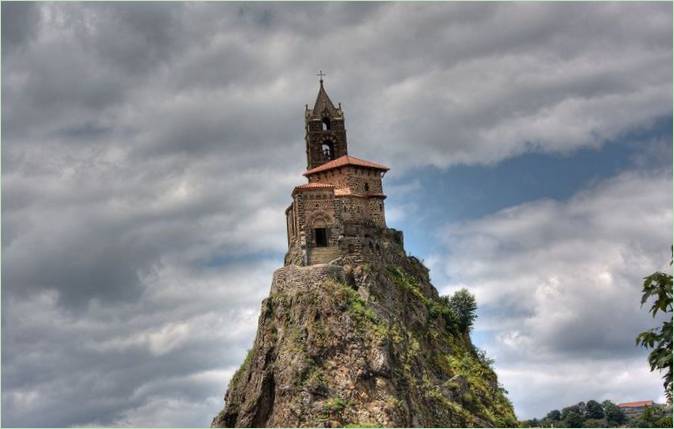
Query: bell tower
[325,134]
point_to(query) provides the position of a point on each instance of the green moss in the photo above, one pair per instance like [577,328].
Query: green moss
[315,377]
[242,369]
[364,316]
[407,282]
[395,333]
[334,406]
[482,397]
[436,308]
[296,338]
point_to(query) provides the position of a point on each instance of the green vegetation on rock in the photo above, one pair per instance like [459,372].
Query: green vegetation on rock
[242,369]
[365,347]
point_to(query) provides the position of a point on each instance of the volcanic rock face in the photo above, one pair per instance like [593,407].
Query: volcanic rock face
[362,343]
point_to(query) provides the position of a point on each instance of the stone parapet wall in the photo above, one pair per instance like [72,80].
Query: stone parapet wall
[357,243]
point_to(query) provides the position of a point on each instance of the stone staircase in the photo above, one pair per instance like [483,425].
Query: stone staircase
[323,255]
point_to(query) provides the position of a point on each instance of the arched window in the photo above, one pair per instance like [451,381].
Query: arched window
[328,151]
[326,124]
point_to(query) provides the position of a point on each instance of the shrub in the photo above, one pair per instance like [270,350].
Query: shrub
[595,423]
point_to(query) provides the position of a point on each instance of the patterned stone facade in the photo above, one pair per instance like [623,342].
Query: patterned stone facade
[340,212]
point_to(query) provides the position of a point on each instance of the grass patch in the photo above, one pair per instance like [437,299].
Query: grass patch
[364,316]
[436,308]
[236,378]
[334,407]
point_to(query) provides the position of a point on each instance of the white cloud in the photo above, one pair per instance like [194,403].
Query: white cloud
[558,284]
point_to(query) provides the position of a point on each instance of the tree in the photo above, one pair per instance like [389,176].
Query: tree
[573,420]
[595,423]
[664,422]
[593,410]
[571,409]
[659,286]
[652,417]
[554,415]
[614,415]
[464,305]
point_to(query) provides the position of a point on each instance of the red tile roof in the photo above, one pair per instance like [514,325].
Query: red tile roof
[314,185]
[346,160]
[636,404]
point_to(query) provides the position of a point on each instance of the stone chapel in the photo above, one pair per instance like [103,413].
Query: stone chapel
[339,213]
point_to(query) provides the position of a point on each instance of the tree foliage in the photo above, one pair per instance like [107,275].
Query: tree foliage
[573,420]
[614,415]
[577,409]
[554,415]
[653,417]
[593,410]
[585,415]
[659,286]
[464,305]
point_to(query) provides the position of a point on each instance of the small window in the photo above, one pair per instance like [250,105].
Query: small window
[328,151]
[367,187]
[326,124]
[321,237]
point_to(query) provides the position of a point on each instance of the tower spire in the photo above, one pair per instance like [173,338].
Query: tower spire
[325,134]
[323,102]
[320,75]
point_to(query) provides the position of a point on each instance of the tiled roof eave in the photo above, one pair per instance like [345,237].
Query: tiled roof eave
[344,161]
[382,196]
[313,187]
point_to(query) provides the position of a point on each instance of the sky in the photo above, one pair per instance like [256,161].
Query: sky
[149,151]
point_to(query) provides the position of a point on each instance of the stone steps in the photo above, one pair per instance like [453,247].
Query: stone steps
[323,255]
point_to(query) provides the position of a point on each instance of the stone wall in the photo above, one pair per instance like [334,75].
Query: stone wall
[356,180]
[375,208]
[316,209]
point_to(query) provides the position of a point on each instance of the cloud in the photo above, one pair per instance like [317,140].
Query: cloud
[540,388]
[558,284]
[491,82]
[18,30]
[117,361]
[149,150]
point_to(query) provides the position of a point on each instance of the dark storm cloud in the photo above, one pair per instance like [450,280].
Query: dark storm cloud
[19,21]
[149,148]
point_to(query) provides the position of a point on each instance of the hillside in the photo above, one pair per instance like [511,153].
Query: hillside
[362,344]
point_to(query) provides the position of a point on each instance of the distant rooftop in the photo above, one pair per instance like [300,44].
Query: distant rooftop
[636,404]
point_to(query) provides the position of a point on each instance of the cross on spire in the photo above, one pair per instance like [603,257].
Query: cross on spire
[321,74]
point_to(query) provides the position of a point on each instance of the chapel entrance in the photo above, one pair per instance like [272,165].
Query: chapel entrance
[321,237]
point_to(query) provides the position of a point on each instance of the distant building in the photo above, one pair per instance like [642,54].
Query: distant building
[635,409]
